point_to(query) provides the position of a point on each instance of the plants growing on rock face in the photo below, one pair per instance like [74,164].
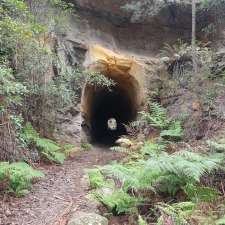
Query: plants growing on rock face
[97,79]
[155,117]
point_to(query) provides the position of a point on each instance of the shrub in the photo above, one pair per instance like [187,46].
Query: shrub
[165,173]
[174,132]
[96,178]
[152,148]
[18,177]
[47,148]
[86,146]
[119,202]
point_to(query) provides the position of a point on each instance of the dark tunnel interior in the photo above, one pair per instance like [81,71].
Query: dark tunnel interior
[106,104]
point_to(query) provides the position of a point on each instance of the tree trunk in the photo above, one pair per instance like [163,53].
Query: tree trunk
[193,40]
[7,139]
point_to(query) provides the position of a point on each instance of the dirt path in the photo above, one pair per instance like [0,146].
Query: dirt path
[53,195]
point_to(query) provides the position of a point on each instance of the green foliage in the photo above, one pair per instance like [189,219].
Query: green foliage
[177,213]
[156,117]
[221,221]
[86,146]
[152,149]
[97,79]
[201,194]
[96,178]
[216,147]
[18,177]
[119,202]
[12,90]
[48,148]
[141,221]
[165,173]
[174,132]
[176,51]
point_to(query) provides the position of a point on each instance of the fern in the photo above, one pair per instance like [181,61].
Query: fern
[177,213]
[141,221]
[50,150]
[174,132]
[152,148]
[86,146]
[119,202]
[184,164]
[198,193]
[96,178]
[156,117]
[175,51]
[217,147]
[18,176]
[47,148]
[164,172]
[221,221]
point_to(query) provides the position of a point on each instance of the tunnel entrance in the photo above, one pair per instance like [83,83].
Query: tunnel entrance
[109,104]
[121,103]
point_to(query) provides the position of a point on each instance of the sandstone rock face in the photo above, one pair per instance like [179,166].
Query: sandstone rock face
[108,23]
[83,218]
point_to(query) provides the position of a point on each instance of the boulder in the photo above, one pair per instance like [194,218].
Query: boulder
[85,218]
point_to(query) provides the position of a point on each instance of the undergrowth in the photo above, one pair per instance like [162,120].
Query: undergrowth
[17,177]
[48,149]
[156,118]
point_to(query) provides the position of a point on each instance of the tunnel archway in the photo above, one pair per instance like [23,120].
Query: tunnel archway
[121,102]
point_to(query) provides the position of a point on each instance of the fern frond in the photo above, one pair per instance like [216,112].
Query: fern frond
[19,176]
[152,148]
[119,202]
[174,131]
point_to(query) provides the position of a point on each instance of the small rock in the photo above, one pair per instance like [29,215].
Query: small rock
[165,60]
[85,218]
[106,191]
[124,142]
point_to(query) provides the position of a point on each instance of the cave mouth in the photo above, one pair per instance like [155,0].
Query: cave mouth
[120,104]
[108,104]
[101,106]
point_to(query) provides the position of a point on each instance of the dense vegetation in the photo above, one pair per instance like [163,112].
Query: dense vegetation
[30,92]
[156,173]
